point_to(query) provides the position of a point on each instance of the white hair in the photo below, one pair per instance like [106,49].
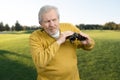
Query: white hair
[45,9]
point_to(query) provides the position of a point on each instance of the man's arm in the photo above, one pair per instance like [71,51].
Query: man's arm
[42,55]
[88,43]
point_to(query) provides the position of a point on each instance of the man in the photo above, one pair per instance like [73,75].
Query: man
[53,54]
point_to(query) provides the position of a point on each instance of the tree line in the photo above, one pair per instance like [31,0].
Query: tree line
[19,27]
[16,27]
[106,26]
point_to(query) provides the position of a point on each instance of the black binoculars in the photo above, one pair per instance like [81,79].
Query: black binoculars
[76,36]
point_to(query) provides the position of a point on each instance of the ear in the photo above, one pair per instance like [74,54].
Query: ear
[40,24]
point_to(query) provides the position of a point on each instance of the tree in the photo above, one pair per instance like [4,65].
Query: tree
[81,26]
[7,28]
[13,28]
[110,26]
[118,27]
[1,26]
[18,27]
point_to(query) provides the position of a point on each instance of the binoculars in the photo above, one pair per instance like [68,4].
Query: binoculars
[76,36]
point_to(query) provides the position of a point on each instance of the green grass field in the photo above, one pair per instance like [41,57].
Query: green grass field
[102,63]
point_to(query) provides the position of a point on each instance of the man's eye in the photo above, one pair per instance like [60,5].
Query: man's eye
[54,19]
[46,21]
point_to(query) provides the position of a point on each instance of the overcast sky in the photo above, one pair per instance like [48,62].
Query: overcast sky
[73,11]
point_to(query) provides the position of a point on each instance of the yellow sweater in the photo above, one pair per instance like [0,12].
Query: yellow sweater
[54,61]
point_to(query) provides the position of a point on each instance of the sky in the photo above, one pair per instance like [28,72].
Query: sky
[72,11]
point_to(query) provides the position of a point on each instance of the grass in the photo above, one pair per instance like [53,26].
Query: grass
[102,63]
[15,58]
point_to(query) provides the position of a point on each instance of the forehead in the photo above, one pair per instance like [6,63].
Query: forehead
[50,15]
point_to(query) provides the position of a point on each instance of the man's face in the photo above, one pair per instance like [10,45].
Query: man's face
[50,22]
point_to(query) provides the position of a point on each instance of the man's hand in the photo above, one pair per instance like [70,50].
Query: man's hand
[63,36]
[88,39]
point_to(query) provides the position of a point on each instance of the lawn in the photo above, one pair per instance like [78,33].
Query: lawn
[15,58]
[101,63]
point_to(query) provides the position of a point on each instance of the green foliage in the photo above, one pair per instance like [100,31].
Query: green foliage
[102,63]
[106,26]
[1,26]
[18,27]
[7,28]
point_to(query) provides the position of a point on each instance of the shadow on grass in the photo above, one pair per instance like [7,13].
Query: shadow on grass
[13,69]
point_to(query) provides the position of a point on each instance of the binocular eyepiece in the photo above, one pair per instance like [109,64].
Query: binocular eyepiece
[76,36]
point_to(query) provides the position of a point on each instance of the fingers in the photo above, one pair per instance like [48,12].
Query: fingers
[63,36]
[83,34]
[87,41]
[84,42]
[67,33]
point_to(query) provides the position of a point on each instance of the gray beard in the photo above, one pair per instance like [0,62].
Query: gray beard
[56,35]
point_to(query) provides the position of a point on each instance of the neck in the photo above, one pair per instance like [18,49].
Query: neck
[56,35]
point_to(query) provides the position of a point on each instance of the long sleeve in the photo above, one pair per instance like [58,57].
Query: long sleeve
[41,54]
[88,46]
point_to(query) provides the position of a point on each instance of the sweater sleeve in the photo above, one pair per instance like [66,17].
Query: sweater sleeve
[41,55]
[88,46]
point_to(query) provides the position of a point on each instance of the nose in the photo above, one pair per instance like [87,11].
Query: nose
[51,23]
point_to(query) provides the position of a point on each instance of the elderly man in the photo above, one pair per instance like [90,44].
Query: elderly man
[54,55]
